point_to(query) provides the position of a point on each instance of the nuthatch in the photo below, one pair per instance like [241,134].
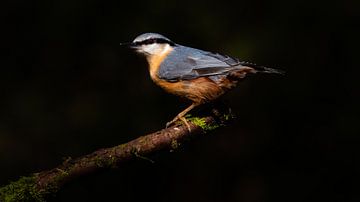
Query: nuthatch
[197,75]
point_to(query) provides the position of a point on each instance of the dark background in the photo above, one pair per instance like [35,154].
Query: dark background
[68,88]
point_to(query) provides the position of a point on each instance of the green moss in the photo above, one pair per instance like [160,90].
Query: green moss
[174,144]
[210,127]
[102,163]
[112,162]
[188,116]
[201,122]
[23,190]
[227,117]
[52,187]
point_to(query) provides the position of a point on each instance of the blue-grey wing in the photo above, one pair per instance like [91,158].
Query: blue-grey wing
[185,63]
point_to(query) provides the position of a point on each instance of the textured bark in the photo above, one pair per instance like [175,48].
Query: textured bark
[40,185]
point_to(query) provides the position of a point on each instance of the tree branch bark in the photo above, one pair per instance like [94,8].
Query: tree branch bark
[40,185]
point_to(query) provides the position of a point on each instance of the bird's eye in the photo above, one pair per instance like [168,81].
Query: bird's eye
[150,41]
[161,41]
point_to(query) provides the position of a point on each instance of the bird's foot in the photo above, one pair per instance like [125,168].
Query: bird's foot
[183,119]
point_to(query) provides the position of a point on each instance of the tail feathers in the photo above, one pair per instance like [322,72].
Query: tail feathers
[262,69]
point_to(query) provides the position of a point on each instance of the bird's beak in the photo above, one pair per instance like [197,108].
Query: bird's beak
[129,44]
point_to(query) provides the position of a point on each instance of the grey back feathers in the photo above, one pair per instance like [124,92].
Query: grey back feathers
[185,63]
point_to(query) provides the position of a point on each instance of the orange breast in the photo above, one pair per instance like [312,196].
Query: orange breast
[198,90]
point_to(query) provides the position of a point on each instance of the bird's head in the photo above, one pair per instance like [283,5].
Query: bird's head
[151,44]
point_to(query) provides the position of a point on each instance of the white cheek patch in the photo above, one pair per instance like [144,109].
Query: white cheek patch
[152,49]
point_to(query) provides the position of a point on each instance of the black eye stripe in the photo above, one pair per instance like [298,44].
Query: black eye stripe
[154,40]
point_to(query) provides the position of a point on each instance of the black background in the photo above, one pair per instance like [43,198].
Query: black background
[68,88]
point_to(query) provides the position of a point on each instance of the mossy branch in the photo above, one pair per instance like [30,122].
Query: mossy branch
[39,186]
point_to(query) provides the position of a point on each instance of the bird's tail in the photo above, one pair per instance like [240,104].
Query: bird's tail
[262,69]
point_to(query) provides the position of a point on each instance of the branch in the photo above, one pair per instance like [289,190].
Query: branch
[40,185]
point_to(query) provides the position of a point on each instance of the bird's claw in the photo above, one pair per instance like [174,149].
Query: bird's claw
[183,119]
[168,124]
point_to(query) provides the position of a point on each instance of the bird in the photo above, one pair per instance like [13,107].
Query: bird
[197,75]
